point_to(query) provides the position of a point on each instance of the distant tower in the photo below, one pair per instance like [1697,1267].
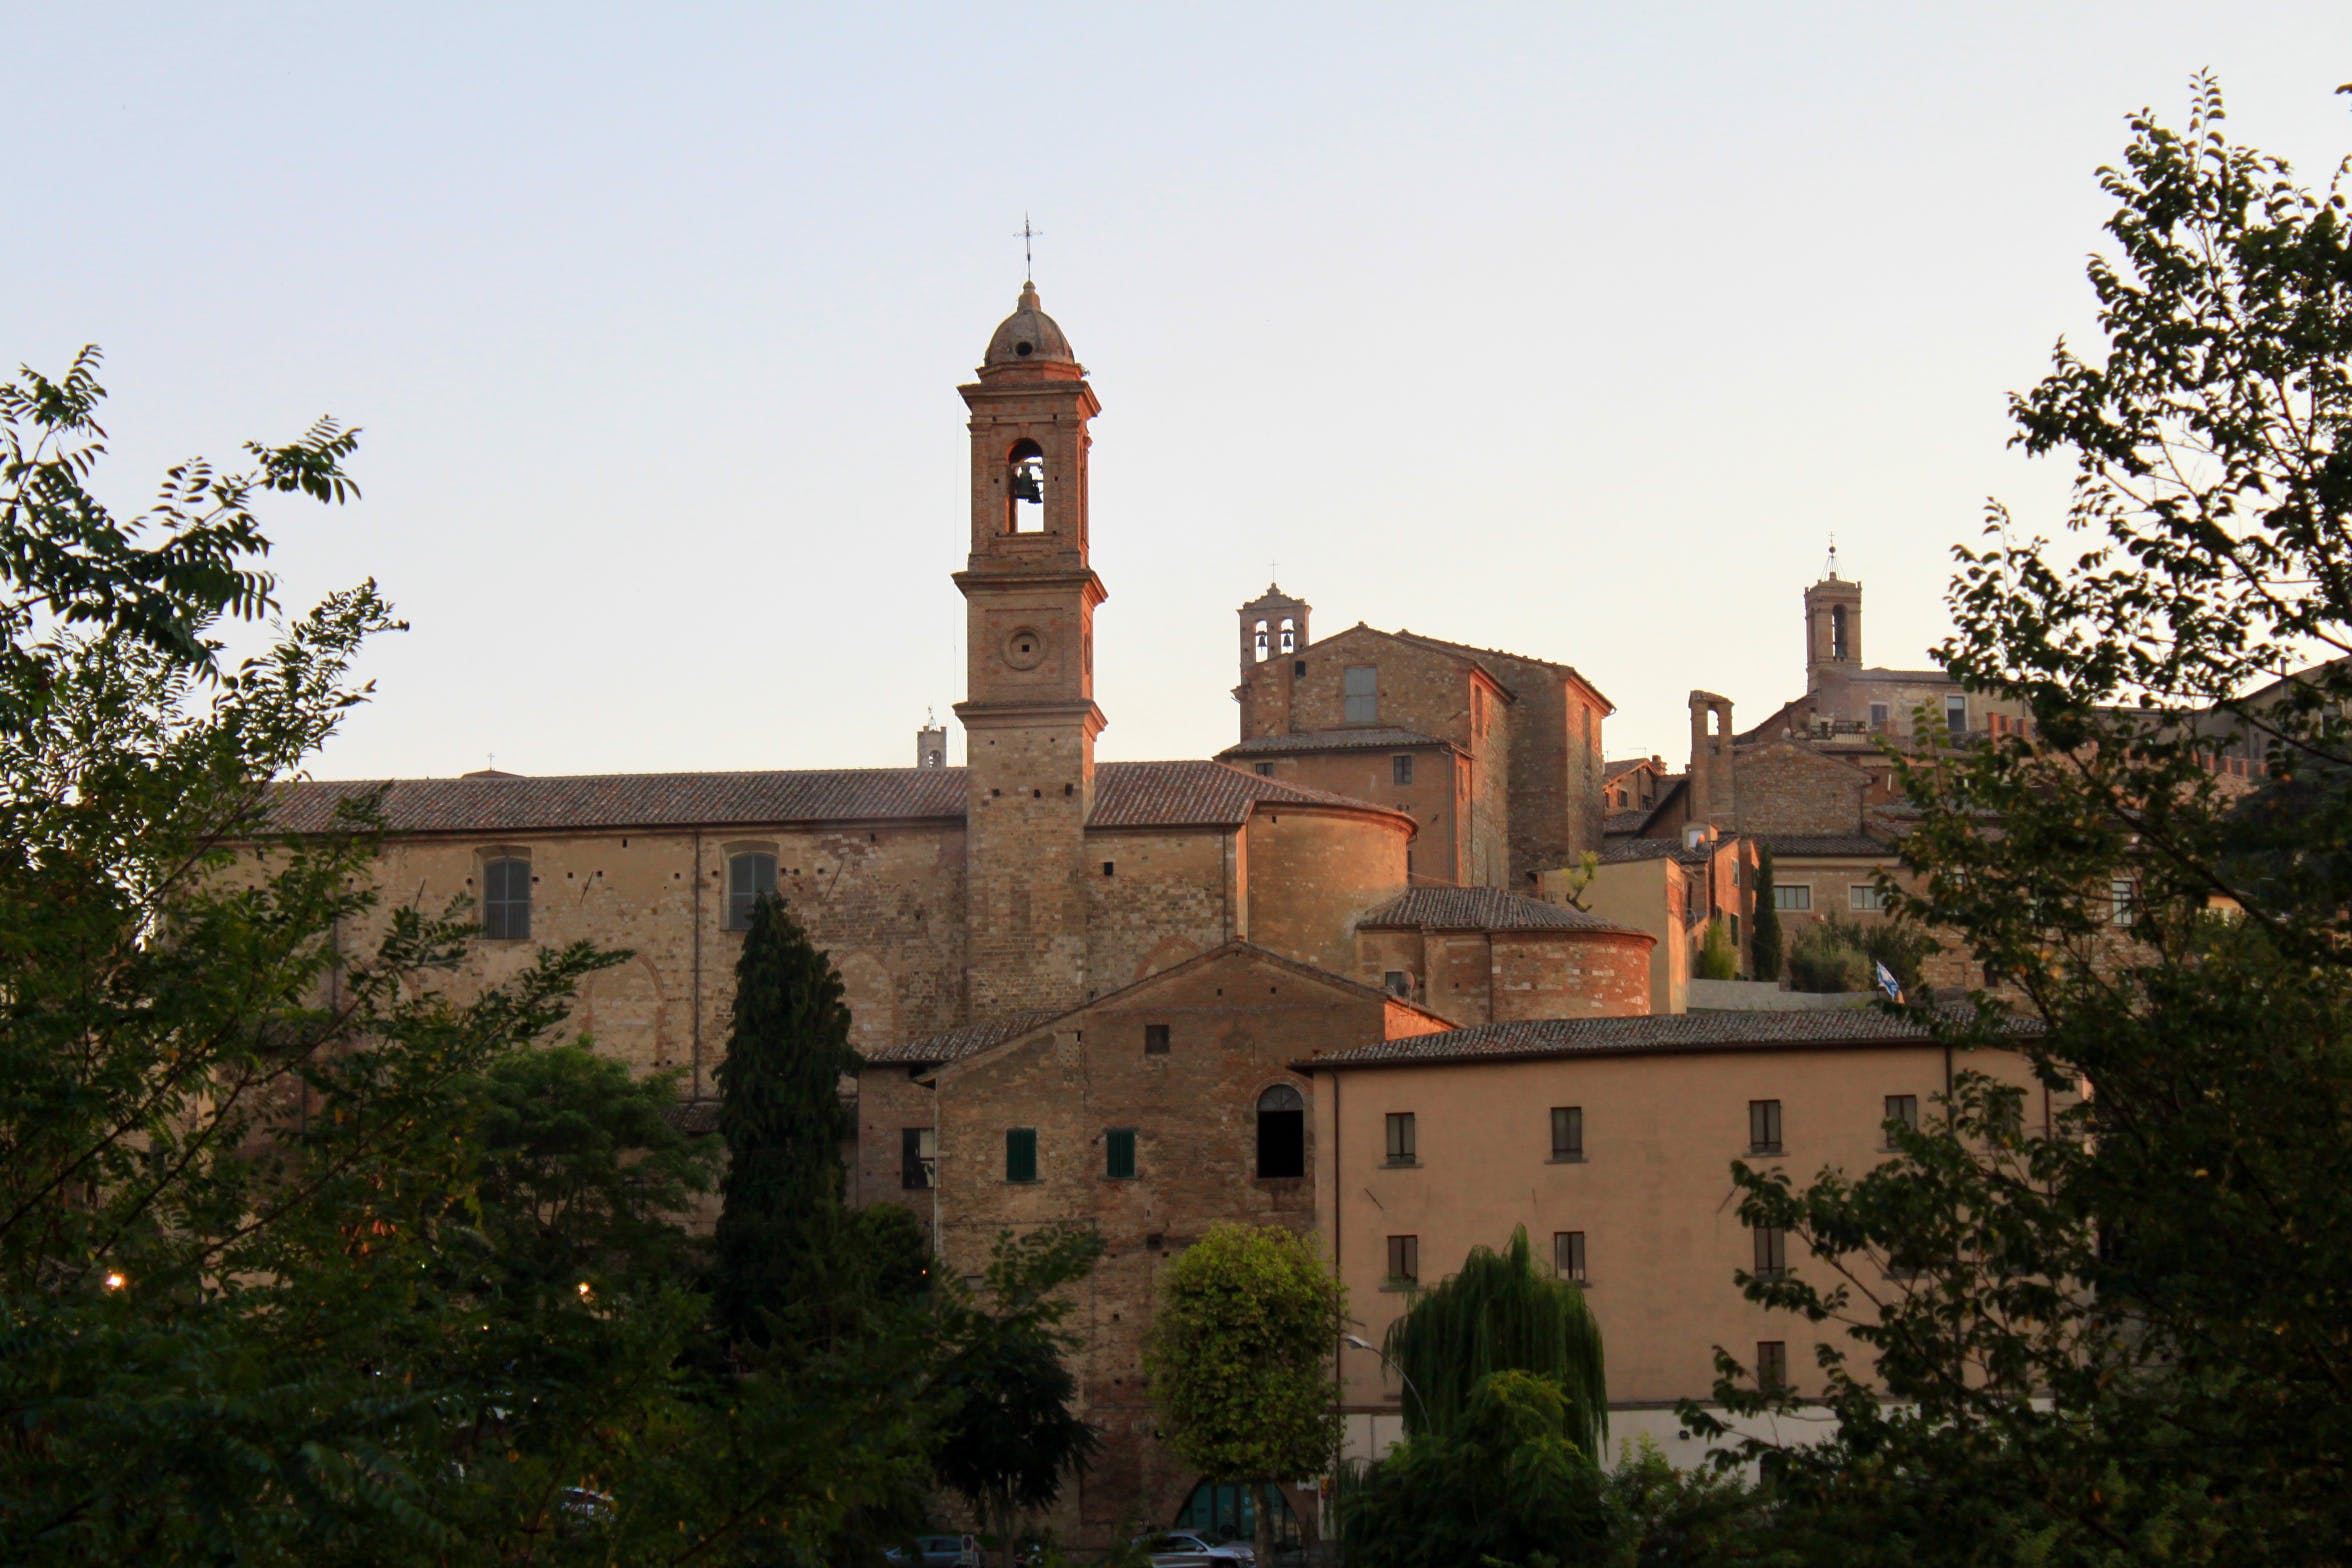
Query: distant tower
[1028,710]
[1272,625]
[1833,629]
[931,744]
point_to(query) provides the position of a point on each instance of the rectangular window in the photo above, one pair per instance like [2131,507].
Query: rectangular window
[1799,897]
[1567,1132]
[1568,1254]
[1155,1039]
[1866,898]
[1404,1260]
[1902,1108]
[2119,901]
[749,877]
[1403,1146]
[506,900]
[1771,1252]
[1956,716]
[1020,1154]
[1110,868]
[1265,770]
[918,1157]
[1119,1154]
[1763,1126]
[1360,687]
[1878,716]
[1399,983]
[1400,770]
[1772,1363]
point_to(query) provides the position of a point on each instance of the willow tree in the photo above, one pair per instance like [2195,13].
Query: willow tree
[1500,1313]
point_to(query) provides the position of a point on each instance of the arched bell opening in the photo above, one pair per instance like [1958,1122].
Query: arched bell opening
[1025,489]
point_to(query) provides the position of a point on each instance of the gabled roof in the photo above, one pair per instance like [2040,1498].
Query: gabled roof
[1482,909]
[1658,1034]
[1625,824]
[953,1045]
[1126,795]
[1617,851]
[1375,738]
[1477,653]
[1611,772]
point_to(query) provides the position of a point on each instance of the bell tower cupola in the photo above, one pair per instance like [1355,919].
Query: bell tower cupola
[1028,711]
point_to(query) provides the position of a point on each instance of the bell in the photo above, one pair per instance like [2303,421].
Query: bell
[1029,481]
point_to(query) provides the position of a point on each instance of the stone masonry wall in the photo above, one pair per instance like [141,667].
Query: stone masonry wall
[1786,788]
[1155,899]
[1312,872]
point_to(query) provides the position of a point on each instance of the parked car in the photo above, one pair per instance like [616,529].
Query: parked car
[1179,1549]
[931,1551]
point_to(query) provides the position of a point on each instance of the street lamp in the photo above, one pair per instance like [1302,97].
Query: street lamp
[1359,1343]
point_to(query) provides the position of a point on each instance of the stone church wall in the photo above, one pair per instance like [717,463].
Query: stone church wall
[1155,899]
[1312,872]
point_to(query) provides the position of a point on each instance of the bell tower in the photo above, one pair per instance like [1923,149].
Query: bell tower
[1028,712]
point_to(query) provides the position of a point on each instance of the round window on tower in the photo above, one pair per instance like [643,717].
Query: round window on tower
[1024,349]
[1024,648]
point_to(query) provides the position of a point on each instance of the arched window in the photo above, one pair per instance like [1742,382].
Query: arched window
[1289,635]
[1837,632]
[1258,642]
[748,877]
[1282,1132]
[506,899]
[1025,489]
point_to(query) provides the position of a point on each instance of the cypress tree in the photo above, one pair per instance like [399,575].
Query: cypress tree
[1500,1313]
[780,1206]
[1764,947]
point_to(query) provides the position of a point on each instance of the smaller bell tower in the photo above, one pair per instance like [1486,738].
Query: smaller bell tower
[1273,626]
[1833,629]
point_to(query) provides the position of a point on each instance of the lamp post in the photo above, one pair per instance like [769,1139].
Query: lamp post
[1359,1343]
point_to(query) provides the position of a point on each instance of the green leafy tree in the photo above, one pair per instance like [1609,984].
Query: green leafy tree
[1241,1360]
[1718,958]
[2121,1339]
[1505,1484]
[1500,1312]
[1765,949]
[781,1240]
[1011,1439]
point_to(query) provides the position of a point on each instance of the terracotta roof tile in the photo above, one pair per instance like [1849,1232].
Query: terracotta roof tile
[1331,740]
[1654,1034]
[953,1045]
[1482,909]
[1127,795]
[1625,823]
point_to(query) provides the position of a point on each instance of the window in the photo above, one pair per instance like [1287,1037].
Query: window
[1110,868]
[1837,632]
[2119,901]
[1771,1252]
[1400,770]
[1282,1132]
[1956,716]
[1878,716]
[1772,1363]
[1399,983]
[1360,686]
[1020,1154]
[1403,1146]
[749,878]
[1763,1126]
[1119,1154]
[1258,643]
[1025,489]
[1866,898]
[1797,897]
[1155,1039]
[1568,1254]
[1902,1108]
[1567,1132]
[506,900]
[1289,635]
[1265,770]
[918,1157]
[1404,1260]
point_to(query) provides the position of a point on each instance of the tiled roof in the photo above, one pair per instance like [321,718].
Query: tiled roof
[1331,740]
[1617,851]
[1853,846]
[953,1045]
[1481,909]
[1126,795]
[1658,1034]
[1611,771]
[1504,653]
[1625,823]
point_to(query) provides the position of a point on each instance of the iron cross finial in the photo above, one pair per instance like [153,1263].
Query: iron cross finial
[1028,250]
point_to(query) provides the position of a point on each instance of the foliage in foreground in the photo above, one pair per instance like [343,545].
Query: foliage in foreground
[2118,1335]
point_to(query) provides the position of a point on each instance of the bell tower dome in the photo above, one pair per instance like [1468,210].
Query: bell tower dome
[1028,710]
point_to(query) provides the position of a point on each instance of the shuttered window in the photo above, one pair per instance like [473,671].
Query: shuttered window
[1020,1154]
[1119,1154]
[748,877]
[506,900]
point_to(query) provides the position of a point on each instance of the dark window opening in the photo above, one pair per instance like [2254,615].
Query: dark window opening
[1404,1142]
[1903,1108]
[1119,1154]
[1399,983]
[1771,1252]
[1772,1363]
[1404,1260]
[1282,1132]
[918,1157]
[749,878]
[1763,1126]
[1020,1154]
[1837,632]
[1155,1039]
[1265,770]
[1110,867]
[1567,1132]
[1568,1254]
[506,900]
[1400,770]
[1298,667]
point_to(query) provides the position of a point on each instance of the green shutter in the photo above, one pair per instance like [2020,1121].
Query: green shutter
[1119,1153]
[1020,1154]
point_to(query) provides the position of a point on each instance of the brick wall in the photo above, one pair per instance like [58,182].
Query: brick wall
[1438,798]
[1167,897]
[1312,872]
[1786,787]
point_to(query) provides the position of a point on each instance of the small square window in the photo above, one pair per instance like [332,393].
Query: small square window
[1298,667]
[1568,1254]
[1155,1039]
[1903,1108]
[1400,769]
[1399,983]
[1771,1252]
[1567,1132]
[1404,1260]
[1764,1127]
[1020,1154]
[1119,1154]
[1403,1141]
[1265,770]
[1772,1363]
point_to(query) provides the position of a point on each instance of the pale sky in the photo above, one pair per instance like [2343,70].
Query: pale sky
[1571,329]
